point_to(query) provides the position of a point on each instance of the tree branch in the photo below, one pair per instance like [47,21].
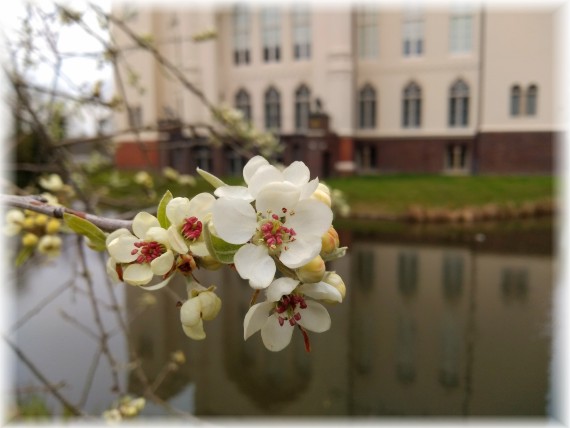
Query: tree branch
[37,204]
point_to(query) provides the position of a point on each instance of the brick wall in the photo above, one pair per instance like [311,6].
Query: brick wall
[516,153]
[134,155]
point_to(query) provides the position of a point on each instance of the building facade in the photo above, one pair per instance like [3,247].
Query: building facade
[455,90]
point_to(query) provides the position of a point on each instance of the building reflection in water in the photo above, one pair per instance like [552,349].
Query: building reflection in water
[423,331]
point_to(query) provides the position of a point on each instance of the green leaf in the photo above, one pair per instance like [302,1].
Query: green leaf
[161,212]
[210,178]
[221,250]
[84,227]
[336,254]
[24,255]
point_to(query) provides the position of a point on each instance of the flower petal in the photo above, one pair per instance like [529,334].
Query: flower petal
[300,251]
[177,210]
[252,166]
[235,221]
[276,337]
[121,248]
[199,248]
[111,267]
[265,174]
[157,234]
[297,173]
[137,274]
[321,291]
[311,218]
[252,262]
[276,196]
[315,317]
[176,241]
[162,265]
[201,204]
[234,192]
[255,318]
[116,234]
[280,287]
[195,332]
[308,189]
[190,312]
[142,222]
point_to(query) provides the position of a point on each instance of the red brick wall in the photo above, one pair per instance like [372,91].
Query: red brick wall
[516,152]
[135,155]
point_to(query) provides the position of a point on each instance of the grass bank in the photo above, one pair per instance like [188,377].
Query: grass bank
[395,194]
[367,195]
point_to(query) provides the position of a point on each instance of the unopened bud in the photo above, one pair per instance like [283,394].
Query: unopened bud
[332,278]
[53,226]
[322,194]
[313,271]
[29,223]
[330,241]
[41,220]
[211,305]
[29,240]
[50,245]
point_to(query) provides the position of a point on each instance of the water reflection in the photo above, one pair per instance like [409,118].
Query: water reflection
[424,330]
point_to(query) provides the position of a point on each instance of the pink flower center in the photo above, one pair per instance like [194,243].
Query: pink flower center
[192,228]
[286,308]
[148,251]
[274,233]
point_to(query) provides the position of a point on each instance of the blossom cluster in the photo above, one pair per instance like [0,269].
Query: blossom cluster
[275,230]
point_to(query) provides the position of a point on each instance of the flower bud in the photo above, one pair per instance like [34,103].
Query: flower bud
[322,194]
[41,220]
[15,216]
[330,241]
[52,182]
[29,223]
[209,263]
[50,245]
[312,271]
[332,278]
[29,240]
[190,312]
[53,226]
[211,305]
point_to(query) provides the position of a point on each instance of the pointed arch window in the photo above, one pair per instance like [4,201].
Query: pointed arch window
[459,104]
[302,106]
[531,100]
[516,100]
[412,106]
[272,109]
[367,108]
[243,103]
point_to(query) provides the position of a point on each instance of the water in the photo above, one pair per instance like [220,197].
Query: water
[454,323]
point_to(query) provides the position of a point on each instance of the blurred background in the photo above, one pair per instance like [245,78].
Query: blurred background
[436,126]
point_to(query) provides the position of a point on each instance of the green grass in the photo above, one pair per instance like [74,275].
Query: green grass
[395,193]
[387,194]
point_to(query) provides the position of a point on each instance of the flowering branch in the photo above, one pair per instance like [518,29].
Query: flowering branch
[38,204]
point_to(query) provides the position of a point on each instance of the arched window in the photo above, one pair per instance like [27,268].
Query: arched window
[302,105]
[412,106]
[272,109]
[515,100]
[459,104]
[531,100]
[242,103]
[367,108]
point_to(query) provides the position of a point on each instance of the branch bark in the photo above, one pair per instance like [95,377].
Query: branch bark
[37,204]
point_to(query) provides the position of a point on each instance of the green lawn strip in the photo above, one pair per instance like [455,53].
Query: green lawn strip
[396,193]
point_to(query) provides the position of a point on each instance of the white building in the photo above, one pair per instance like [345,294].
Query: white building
[458,89]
